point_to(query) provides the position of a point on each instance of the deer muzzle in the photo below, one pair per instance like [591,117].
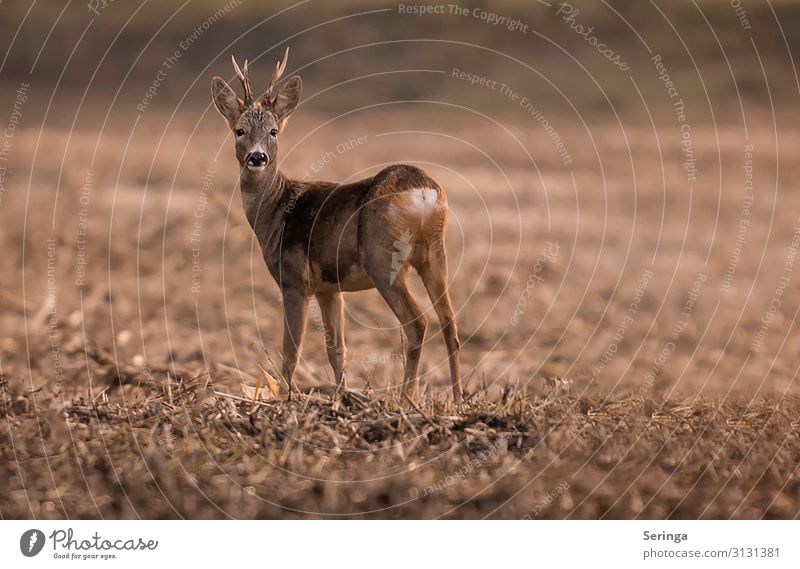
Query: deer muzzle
[256,161]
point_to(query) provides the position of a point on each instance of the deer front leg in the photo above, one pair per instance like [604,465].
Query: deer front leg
[332,307]
[295,307]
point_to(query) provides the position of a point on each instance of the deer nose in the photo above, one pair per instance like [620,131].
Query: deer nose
[257,159]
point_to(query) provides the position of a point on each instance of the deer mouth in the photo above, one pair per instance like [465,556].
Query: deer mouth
[256,161]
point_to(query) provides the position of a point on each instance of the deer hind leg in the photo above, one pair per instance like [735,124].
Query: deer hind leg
[332,307]
[295,308]
[392,286]
[432,270]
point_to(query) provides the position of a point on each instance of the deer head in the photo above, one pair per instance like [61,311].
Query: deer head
[257,122]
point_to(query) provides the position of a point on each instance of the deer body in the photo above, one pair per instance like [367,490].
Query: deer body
[321,239]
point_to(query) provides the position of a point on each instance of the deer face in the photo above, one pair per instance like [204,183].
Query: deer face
[256,124]
[256,133]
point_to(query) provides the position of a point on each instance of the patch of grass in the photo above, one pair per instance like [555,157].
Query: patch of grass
[172,444]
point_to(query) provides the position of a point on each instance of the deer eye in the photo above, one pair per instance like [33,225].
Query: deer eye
[239,131]
[274,132]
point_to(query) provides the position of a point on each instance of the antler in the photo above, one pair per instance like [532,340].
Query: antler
[280,67]
[244,77]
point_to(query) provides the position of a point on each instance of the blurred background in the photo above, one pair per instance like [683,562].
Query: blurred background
[537,133]
[635,137]
[621,177]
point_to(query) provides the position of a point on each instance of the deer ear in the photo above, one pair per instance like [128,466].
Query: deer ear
[288,97]
[226,101]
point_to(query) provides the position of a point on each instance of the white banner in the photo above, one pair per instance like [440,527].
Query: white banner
[389,544]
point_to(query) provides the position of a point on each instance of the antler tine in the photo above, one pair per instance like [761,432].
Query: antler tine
[280,67]
[244,78]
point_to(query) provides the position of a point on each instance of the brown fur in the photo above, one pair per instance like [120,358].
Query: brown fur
[323,239]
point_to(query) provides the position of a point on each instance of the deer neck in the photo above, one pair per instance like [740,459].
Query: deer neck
[262,196]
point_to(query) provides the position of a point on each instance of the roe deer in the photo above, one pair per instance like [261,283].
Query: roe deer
[324,239]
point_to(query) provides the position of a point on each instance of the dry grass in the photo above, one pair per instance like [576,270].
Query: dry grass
[170,444]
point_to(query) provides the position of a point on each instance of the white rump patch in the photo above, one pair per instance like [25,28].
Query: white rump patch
[424,200]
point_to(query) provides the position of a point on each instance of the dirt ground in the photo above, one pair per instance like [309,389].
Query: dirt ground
[615,344]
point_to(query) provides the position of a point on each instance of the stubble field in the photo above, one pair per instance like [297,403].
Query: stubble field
[629,337]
